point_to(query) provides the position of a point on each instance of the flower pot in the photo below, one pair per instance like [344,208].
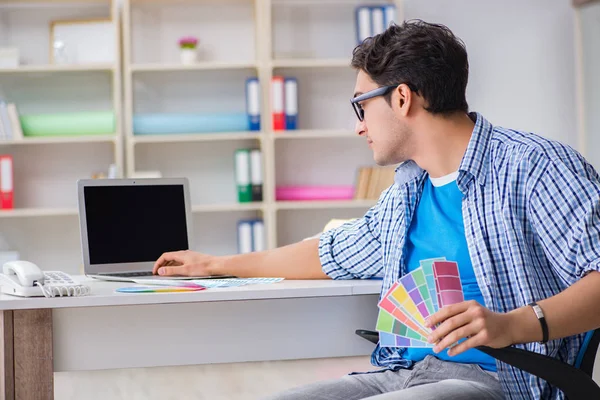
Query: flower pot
[188,56]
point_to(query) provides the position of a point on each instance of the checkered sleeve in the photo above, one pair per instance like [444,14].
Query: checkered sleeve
[354,251]
[564,204]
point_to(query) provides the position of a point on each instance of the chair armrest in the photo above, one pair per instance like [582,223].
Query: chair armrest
[574,383]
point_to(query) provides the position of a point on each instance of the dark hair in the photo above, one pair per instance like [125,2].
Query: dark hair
[428,57]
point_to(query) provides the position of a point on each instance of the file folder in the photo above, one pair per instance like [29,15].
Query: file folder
[277,106]
[378,20]
[258,235]
[244,237]
[291,103]
[389,12]
[256,179]
[6,182]
[253,103]
[242,175]
[363,23]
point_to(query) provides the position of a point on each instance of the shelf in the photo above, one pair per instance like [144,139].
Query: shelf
[311,63]
[315,205]
[38,212]
[201,66]
[60,140]
[315,134]
[232,207]
[27,69]
[195,137]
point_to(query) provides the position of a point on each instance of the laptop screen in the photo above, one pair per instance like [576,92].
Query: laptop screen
[134,223]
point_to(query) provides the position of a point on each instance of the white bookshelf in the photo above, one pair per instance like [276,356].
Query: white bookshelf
[43,226]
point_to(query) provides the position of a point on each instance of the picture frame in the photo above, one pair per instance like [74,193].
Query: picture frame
[83,41]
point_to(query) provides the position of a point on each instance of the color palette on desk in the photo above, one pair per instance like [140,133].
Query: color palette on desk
[416,296]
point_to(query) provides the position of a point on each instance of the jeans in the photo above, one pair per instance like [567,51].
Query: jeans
[430,379]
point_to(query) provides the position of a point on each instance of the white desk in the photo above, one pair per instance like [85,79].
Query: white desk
[106,330]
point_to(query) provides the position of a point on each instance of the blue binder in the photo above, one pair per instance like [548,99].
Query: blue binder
[253,103]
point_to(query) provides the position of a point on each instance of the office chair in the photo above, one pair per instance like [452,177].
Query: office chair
[575,381]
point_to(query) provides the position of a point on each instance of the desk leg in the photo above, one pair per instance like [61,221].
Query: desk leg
[7,371]
[29,373]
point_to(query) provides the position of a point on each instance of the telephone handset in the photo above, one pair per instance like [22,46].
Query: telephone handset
[24,278]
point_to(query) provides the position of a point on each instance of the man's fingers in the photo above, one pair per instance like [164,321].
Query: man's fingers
[167,259]
[448,326]
[447,312]
[180,270]
[470,343]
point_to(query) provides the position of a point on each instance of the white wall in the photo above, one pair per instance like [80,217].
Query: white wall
[522,60]
[590,35]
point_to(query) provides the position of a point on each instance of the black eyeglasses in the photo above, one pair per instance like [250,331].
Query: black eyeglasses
[381,91]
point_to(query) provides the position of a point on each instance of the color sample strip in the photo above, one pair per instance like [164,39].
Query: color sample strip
[427,266]
[388,305]
[417,289]
[387,323]
[447,279]
[400,296]
[391,340]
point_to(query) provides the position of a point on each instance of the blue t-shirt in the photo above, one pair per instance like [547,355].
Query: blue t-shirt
[437,230]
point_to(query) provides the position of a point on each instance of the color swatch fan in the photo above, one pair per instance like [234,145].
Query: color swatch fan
[416,296]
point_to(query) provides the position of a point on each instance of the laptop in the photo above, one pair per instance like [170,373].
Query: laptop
[127,224]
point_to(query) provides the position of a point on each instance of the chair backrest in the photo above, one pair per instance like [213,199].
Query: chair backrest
[588,354]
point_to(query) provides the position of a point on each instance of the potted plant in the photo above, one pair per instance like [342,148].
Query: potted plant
[187,46]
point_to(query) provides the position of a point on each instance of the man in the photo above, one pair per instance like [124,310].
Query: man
[519,213]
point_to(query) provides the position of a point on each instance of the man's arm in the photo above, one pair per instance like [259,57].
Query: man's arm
[296,261]
[352,251]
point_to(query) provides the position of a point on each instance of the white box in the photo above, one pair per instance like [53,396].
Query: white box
[9,57]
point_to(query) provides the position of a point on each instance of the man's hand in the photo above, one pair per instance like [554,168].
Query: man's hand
[186,263]
[470,320]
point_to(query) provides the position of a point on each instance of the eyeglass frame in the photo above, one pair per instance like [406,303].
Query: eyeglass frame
[380,91]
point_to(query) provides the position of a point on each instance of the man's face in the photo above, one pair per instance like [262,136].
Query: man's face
[387,135]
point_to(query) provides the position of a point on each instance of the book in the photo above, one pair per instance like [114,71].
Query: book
[372,181]
[6,182]
[5,121]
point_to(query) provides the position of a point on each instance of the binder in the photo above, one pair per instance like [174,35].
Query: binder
[291,103]
[253,103]
[277,106]
[258,235]
[389,12]
[378,20]
[242,175]
[5,121]
[256,179]
[6,182]
[244,237]
[363,23]
[13,116]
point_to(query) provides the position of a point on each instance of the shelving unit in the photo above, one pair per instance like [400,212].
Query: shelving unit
[310,40]
[43,227]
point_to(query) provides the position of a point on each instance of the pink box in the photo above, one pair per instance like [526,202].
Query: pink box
[314,193]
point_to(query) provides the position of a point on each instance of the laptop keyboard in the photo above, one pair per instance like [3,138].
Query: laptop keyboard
[130,274]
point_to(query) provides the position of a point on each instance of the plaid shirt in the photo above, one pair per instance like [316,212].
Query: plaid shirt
[532,223]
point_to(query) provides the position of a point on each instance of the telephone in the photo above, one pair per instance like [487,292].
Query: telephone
[25,279]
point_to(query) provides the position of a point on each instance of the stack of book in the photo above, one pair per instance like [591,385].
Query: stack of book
[10,124]
[371,181]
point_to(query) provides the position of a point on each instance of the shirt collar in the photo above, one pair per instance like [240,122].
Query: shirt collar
[475,160]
